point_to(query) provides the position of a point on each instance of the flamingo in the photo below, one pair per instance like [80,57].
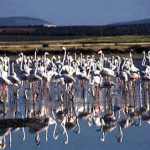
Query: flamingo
[38,128]
[124,74]
[12,75]
[33,77]
[5,81]
[15,129]
[146,59]
[42,69]
[105,72]
[106,128]
[125,122]
[3,133]
[61,117]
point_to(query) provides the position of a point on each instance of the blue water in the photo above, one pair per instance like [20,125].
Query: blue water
[134,138]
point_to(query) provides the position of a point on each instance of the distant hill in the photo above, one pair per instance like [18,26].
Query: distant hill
[142,21]
[32,26]
[23,21]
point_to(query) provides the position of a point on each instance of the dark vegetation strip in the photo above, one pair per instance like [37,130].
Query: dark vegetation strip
[107,30]
[79,35]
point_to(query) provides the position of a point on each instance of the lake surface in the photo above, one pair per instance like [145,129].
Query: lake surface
[81,116]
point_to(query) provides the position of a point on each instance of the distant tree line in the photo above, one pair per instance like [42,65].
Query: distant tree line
[107,30]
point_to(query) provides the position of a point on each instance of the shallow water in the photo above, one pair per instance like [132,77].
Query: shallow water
[82,107]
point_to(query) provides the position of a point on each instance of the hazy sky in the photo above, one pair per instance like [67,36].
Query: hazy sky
[78,12]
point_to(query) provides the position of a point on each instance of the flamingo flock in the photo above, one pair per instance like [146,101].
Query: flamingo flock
[102,90]
[101,72]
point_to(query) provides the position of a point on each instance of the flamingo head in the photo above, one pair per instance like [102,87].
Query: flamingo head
[63,48]
[46,53]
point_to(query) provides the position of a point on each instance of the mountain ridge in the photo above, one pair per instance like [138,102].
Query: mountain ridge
[22,21]
[140,21]
[31,21]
